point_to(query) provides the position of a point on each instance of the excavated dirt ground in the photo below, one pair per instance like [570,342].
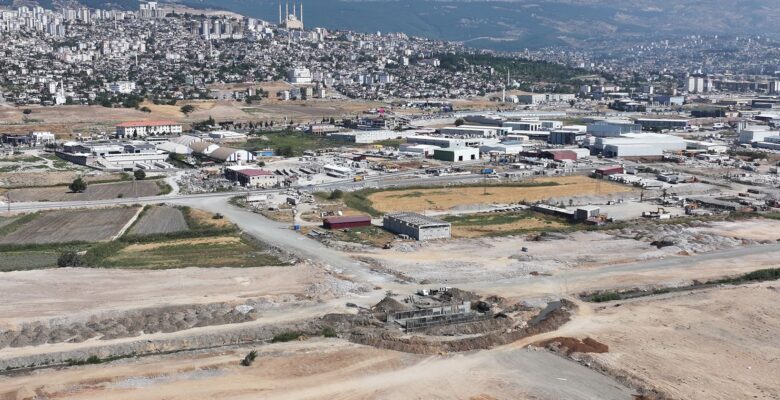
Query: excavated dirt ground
[323,369]
[718,343]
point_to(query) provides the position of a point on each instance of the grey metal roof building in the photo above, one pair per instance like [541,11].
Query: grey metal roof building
[417,226]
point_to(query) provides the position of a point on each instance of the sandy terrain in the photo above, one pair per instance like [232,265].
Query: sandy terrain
[41,294]
[713,344]
[755,229]
[447,198]
[492,259]
[326,369]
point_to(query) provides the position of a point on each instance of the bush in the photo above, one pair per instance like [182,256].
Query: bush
[139,174]
[70,258]
[249,359]
[187,109]
[27,111]
[286,337]
[336,194]
[459,122]
[329,332]
[604,297]
[145,109]
[78,186]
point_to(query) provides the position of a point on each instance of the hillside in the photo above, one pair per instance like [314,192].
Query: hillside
[517,24]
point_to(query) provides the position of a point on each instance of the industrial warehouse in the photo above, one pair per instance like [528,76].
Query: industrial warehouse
[417,226]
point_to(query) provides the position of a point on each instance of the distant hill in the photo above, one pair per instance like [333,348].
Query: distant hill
[516,24]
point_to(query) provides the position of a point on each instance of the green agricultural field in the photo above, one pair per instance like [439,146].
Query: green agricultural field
[204,252]
[289,144]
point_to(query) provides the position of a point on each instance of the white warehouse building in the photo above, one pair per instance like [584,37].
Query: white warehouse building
[474,131]
[639,145]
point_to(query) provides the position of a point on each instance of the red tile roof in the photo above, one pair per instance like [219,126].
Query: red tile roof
[347,219]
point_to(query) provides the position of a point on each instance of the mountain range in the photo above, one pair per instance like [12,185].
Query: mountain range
[517,24]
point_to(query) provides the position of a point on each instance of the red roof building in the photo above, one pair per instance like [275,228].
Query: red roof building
[606,171]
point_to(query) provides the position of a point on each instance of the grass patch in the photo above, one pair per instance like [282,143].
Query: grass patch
[368,235]
[290,144]
[17,223]
[168,252]
[27,260]
[391,142]
[605,297]
[360,201]
[329,332]
[486,219]
[94,360]
[165,188]
[761,275]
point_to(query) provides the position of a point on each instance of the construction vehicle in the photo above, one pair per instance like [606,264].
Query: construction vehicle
[359,178]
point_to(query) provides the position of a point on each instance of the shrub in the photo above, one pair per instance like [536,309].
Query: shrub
[249,359]
[329,332]
[70,258]
[139,174]
[336,194]
[604,297]
[78,186]
[286,337]
[187,109]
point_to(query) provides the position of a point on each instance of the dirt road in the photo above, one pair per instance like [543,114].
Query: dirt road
[327,369]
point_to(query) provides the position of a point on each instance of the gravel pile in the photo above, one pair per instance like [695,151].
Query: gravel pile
[127,324]
[682,238]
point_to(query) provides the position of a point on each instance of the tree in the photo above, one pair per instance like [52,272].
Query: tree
[145,109]
[70,258]
[78,186]
[336,194]
[187,109]
[139,174]
[26,111]
[286,151]
[459,122]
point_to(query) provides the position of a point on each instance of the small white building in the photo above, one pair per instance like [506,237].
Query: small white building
[42,138]
[299,76]
[122,87]
[457,154]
